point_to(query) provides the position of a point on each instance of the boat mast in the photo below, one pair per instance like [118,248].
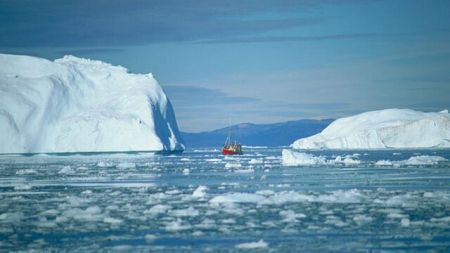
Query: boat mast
[228,140]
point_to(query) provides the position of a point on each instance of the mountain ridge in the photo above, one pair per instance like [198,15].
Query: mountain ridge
[251,134]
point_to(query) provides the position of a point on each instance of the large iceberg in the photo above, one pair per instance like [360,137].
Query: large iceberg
[390,128]
[80,105]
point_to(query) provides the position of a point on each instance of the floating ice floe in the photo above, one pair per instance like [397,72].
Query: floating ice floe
[26,172]
[22,187]
[233,165]
[158,209]
[66,170]
[261,244]
[294,158]
[283,197]
[425,160]
[188,212]
[347,160]
[290,216]
[126,165]
[214,160]
[177,225]
[244,171]
[413,161]
[105,164]
[200,192]
[256,161]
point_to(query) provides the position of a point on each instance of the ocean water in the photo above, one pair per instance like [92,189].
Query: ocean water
[200,201]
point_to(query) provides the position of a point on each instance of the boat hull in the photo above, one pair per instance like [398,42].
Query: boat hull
[230,152]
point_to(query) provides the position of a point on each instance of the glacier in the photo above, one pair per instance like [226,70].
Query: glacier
[80,105]
[389,128]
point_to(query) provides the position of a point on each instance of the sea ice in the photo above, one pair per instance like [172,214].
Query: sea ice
[256,161]
[26,172]
[413,161]
[157,209]
[126,165]
[347,160]
[232,165]
[292,158]
[66,170]
[425,160]
[244,171]
[295,158]
[200,192]
[261,244]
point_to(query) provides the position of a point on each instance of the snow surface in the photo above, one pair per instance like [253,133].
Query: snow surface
[80,105]
[390,128]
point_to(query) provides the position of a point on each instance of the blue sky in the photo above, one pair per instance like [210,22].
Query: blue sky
[253,61]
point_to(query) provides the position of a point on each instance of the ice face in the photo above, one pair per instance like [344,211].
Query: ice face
[145,202]
[80,105]
[390,128]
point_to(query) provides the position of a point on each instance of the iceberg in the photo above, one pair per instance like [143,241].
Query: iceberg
[390,128]
[80,105]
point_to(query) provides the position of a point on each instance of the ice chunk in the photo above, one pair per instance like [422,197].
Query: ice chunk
[293,158]
[177,225]
[290,216]
[256,161]
[261,244]
[414,160]
[26,172]
[360,218]
[214,160]
[232,165]
[200,192]
[22,187]
[66,170]
[347,160]
[405,222]
[237,198]
[425,160]
[112,220]
[157,209]
[126,165]
[12,217]
[384,163]
[244,171]
[149,237]
[188,212]
[105,164]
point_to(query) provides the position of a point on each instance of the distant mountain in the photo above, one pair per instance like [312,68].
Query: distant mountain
[276,134]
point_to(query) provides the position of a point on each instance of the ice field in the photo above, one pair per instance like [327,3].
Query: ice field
[269,199]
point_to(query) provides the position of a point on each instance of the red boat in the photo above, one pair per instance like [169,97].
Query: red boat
[230,148]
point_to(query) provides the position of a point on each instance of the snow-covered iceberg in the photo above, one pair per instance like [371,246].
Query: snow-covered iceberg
[390,128]
[80,105]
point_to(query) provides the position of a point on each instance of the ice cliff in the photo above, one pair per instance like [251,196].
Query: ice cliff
[80,105]
[390,128]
